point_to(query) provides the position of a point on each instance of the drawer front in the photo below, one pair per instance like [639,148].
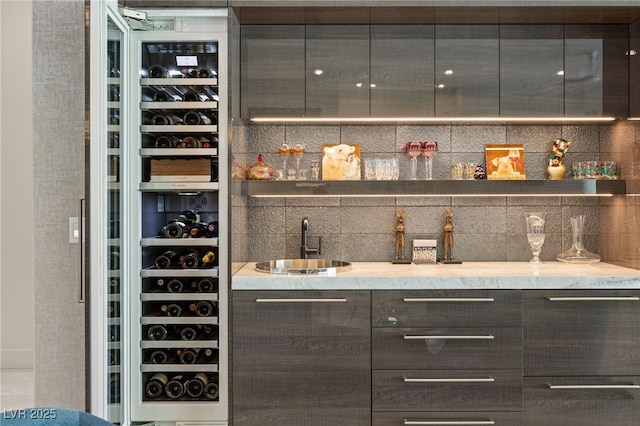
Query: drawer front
[581,332]
[448,419]
[584,401]
[447,390]
[434,308]
[447,348]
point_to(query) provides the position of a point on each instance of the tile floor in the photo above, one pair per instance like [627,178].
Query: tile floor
[16,389]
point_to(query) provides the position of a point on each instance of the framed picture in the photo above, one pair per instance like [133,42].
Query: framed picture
[505,162]
[341,162]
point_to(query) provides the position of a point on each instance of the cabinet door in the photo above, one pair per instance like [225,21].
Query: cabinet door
[584,401]
[581,332]
[272,71]
[337,70]
[467,74]
[402,70]
[301,357]
[634,69]
[531,67]
[447,308]
[596,73]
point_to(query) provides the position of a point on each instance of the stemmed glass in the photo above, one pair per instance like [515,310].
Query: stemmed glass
[284,152]
[535,233]
[514,157]
[297,152]
[429,150]
[413,150]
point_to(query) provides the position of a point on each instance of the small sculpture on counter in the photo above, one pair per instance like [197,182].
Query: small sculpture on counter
[448,238]
[399,251]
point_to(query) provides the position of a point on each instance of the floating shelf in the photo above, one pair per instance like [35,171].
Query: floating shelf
[427,188]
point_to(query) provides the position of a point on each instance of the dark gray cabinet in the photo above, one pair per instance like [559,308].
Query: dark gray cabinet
[453,352]
[346,71]
[337,71]
[402,71]
[596,72]
[634,69]
[301,358]
[581,357]
[272,78]
[531,66]
[467,70]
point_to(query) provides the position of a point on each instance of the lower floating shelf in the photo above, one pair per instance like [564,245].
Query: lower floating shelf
[427,188]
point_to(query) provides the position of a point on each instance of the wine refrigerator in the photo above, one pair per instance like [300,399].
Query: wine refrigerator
[158,251]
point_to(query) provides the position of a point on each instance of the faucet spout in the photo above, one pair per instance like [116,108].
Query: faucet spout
[305,250]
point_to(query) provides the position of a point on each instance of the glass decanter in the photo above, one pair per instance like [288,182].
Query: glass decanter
[577,253]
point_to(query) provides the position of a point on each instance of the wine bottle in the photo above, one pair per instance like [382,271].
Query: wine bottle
[114,388]
[174,388]
[155,386]
[189,356]
[204,72]
[163,96]
[203,308]
[191,95]
[172,309]
[206,332]
[168,142]
[206,285]
[163,119]
[157,332]
[188,333]
[196,118]
[208,258]
[190,259]
[114,333]
[114,286]
[159,357]
[114,260]
[212,227]
[195,385]
[175,229]
[166,260]
[211,391]
[175,286]
[157,71]
[192,142]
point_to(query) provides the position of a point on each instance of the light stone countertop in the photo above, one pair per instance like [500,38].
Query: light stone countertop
[468,275]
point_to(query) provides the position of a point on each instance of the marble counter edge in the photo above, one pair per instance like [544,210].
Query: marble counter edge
[604,276]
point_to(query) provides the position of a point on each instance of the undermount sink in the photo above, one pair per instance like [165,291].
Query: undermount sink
[303,266]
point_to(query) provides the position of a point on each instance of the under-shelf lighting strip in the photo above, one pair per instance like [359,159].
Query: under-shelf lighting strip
[431,119]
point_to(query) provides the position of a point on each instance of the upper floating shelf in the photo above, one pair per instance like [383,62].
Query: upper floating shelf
[426,188]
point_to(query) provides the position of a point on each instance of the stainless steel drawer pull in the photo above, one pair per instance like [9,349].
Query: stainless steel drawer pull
[629,386]
[451,380]
[450,337]
[449,422]
[292,300]
[449,299]
[594,298]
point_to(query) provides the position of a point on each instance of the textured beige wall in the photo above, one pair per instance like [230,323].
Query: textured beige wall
[16,145]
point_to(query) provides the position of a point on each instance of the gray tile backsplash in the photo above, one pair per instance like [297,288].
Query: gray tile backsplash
[486,228]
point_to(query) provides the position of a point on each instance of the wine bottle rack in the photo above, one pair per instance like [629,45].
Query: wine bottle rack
[173,157]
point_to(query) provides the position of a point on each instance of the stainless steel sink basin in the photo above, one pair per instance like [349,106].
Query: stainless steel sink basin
[303,266]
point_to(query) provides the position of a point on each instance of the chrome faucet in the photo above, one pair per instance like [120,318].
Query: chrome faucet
[305,250]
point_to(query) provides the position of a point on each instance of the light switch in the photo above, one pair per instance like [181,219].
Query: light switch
[74,232]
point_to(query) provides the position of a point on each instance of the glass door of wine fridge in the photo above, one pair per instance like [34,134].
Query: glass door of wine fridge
[162,219]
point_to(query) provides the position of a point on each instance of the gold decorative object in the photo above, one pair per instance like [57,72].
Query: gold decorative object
[399,244]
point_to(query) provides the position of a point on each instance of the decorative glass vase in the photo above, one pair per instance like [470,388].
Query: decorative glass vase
[556,172]
[577,253]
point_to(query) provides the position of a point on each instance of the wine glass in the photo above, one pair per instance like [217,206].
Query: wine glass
[413,150]
[284,152]
[297,151]
[429,150]
[535,233]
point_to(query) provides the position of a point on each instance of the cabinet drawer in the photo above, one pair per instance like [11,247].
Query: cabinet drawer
[447,390]
[584,401]
[581,332]
[448,419]
[446,308]
[447,348]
